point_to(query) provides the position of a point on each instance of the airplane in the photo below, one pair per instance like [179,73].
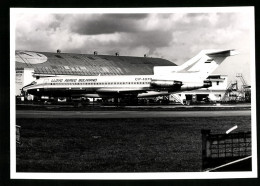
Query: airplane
[166,80]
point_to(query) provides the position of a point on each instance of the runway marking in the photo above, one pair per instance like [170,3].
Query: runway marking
[127,114]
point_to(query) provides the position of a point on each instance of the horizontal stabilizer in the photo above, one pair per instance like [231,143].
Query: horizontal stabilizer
[224,53]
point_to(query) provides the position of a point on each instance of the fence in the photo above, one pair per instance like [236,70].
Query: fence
[218,149]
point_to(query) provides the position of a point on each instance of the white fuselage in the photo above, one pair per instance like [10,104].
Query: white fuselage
[104,86]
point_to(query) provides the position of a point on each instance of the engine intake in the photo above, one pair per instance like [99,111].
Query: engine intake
[207,84]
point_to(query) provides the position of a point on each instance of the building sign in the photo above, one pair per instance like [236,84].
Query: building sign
[19,77]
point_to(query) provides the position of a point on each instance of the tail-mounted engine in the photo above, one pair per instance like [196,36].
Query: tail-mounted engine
[166,84]
[172,85]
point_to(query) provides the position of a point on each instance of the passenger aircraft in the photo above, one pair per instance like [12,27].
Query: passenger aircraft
[166,80]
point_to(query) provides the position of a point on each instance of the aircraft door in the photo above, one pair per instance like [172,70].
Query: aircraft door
[45,83]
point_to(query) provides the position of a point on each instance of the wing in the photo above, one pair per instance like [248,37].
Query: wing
[121,90]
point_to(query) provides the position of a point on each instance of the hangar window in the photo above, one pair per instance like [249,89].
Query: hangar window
[91,58]
[75,57]
[83,68]
[54,67]
[25,53]
[58,56]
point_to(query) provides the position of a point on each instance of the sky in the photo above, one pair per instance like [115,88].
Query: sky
[173,36]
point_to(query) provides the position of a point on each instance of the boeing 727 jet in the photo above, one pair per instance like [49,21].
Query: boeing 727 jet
[166,80]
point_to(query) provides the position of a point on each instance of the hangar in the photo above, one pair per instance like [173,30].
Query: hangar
[31,65]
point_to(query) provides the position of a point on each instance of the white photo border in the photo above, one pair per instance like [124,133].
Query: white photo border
[135,176]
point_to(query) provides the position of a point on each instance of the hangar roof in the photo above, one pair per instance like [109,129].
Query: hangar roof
[86,64]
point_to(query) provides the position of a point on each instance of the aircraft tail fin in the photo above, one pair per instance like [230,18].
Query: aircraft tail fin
[203,64]
[208,60]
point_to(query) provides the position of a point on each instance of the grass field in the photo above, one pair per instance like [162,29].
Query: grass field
[117,145]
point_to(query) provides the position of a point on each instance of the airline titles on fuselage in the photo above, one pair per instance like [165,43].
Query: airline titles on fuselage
[88,80]
[72,80]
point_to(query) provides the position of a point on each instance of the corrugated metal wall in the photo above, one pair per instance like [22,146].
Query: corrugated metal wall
[87,64]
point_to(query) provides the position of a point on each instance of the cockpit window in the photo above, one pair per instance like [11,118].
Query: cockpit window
[34,83]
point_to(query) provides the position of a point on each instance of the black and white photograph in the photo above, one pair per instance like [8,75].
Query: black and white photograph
[127,93]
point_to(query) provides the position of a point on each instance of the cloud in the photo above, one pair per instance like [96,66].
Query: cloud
[176,37]
[96,24]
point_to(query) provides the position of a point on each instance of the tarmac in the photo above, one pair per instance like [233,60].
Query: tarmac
[127,114]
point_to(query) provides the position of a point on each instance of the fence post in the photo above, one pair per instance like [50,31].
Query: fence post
[18,134]
[205,147]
